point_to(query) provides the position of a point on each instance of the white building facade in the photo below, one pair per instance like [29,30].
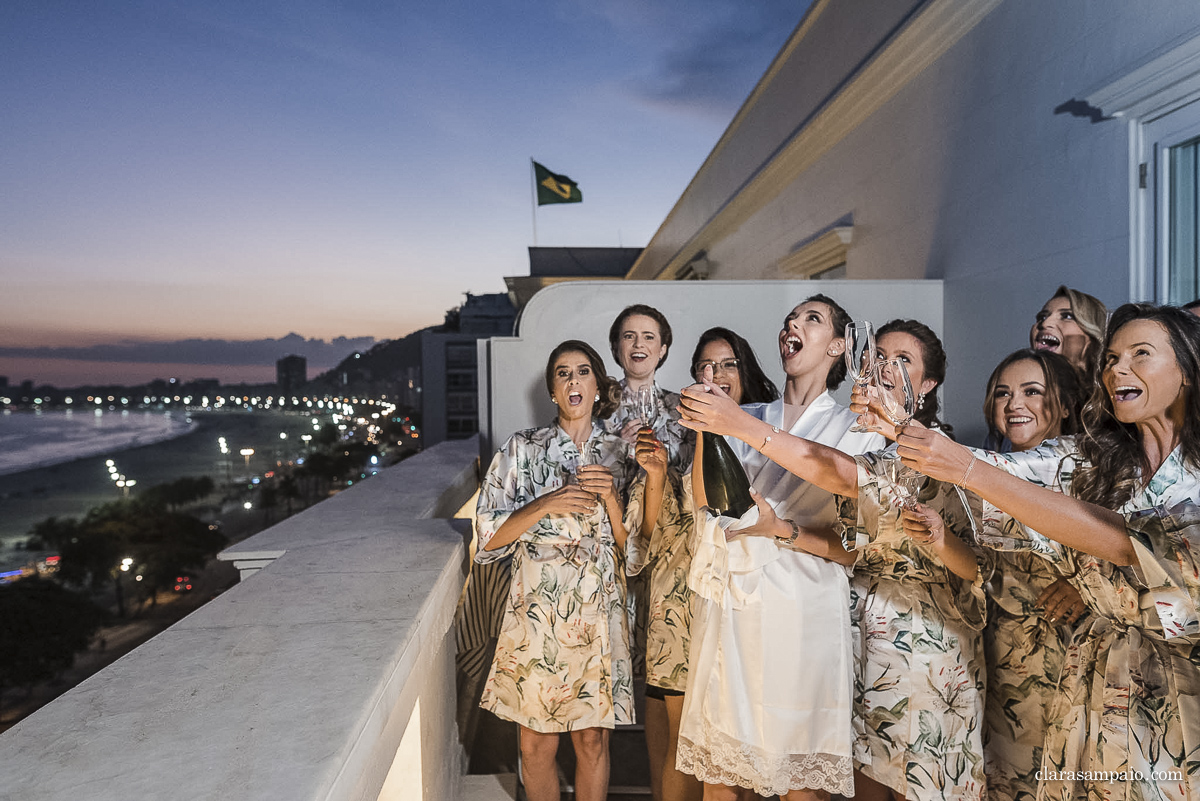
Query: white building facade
[1002,146]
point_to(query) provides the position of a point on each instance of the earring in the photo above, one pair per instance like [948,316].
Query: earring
[554,400]
[597,397]
[921,401]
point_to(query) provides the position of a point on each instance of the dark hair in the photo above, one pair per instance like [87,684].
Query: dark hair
[608,387]
[841,319]
[1113,457]
[933,360]
[1064,391]
[756,387]
[664,329]
[1195,304]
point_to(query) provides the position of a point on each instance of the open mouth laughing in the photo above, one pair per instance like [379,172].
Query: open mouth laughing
[574,398]
[1047,342]
[1126,393]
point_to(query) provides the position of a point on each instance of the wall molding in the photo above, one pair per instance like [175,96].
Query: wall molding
[1158,87]
[822,253]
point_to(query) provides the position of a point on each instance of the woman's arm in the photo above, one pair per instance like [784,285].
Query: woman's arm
[652,456]
[704,407]
[699,498]
[1080,525]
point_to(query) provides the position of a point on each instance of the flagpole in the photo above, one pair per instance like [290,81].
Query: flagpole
[533,198]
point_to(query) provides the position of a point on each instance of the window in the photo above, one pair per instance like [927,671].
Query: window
[1158,101]
[1172,145]
[459,354]
[460,381]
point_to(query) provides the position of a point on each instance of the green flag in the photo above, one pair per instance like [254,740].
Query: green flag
[553,188]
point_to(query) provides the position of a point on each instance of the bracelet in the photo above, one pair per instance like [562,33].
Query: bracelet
[963,481]
[763,447]
[795,533]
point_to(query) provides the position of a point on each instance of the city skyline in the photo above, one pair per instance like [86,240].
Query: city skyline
[241,172]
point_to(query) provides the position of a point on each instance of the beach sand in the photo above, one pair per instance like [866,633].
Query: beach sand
[72,488]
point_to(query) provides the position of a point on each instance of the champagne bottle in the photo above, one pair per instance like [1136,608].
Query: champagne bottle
[726,488]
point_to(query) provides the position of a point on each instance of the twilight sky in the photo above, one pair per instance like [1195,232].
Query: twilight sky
[232,170]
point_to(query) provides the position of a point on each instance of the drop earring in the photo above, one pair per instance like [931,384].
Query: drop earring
[921,401]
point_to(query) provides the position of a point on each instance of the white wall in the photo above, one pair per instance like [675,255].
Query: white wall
[972,173]
[514,366]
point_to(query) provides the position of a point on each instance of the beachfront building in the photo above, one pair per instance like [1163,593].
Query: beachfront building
[951,160]
[291,374]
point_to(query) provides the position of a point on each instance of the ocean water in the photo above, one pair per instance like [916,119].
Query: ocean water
[30,440]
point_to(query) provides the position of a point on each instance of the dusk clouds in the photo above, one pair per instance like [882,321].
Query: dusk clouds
[713,67]
[206,351]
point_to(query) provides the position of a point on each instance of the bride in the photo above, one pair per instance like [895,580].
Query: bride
[769,695]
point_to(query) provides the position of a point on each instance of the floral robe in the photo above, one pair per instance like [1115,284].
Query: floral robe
[1025,654]
[668,554]
[920,669]
[562,659]
[1125,723]
[680,444]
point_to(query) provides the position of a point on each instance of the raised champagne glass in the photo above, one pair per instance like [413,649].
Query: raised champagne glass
[860,356]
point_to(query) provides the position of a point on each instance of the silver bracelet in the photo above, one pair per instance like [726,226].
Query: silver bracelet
[795,533]
[963,481]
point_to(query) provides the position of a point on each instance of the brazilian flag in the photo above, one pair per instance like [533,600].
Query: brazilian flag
[552,188]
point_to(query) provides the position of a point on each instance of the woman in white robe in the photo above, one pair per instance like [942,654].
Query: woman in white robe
[770,681]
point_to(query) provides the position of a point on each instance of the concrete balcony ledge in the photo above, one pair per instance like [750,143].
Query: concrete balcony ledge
[327,675]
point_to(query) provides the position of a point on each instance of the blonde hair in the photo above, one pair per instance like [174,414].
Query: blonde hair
[1092,316]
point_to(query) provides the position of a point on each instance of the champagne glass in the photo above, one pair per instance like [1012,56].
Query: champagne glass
[860,354]
[895,391]
[899,403]
[585,455]
[646,406]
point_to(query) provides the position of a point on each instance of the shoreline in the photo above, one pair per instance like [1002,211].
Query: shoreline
[115,443]
[71,489]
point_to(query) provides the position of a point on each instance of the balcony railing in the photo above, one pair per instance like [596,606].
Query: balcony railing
[327,673]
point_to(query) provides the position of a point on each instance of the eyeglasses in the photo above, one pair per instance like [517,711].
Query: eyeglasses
[727,366]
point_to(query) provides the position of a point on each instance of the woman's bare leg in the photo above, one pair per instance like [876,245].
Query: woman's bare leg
[591,764]
[539,770]
[867,789]
[806,795]
[676,785]
[657,737]
[721,792]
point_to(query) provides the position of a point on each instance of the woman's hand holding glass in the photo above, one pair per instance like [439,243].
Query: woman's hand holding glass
[597,480]
[571,499]
[922,524]
[650,453]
